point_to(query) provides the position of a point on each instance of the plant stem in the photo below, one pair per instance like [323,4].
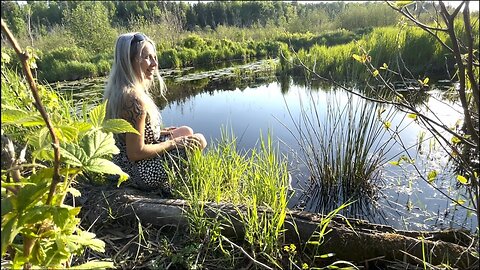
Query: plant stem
[24,56]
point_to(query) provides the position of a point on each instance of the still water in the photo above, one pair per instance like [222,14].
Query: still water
[404,201]
[251,109]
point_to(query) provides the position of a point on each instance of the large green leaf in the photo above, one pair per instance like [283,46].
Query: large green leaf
[87,239]
[99,144]
[98,114]
[118,126]
[29,195]
[83,127]
[100,165]
[60,216]
[66,133]
[73,154]
[7,205]
[35,214]
[21,117]
[9,231]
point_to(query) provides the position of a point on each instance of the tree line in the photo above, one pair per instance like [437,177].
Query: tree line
[45,15]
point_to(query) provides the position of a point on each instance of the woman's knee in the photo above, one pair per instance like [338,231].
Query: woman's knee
[201,138]
[182,131]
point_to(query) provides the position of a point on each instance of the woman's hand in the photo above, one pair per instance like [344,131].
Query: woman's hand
[167,130]
[187,142]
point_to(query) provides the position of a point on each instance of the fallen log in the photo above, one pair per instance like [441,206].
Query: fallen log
[356,241]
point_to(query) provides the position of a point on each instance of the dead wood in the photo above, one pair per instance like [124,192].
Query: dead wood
[359,243]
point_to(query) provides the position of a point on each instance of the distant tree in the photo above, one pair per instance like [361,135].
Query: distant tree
[90,26]
[15,18]
[361,15]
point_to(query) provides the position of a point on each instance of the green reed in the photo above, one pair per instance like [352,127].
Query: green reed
[343,146]
[255,182]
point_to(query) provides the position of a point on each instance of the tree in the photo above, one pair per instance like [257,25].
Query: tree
[462,45]
[90,25]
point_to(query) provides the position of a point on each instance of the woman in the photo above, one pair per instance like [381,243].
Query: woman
[142,156]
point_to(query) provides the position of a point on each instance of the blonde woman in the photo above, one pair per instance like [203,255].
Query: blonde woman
[143,156]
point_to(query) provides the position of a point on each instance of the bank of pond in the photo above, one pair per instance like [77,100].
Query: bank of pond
[257,184]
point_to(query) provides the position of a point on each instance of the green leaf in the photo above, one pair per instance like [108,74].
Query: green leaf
[455,140]
[118,126]
[460,201]
[432,175]
[60,216]
[385,66]
[7,205]
[412,116]
[73,154]
[35,214]
[83,127]
[462,180]
[100,165]
[99,144]
[87,239]
[20,117]
[375,73]
[425,81]
[28,195]
[358,58]
[395,163]
[387,124]
[401,4]
[97,115]
[9,231]
[95,264]
[5,58]
[67,133]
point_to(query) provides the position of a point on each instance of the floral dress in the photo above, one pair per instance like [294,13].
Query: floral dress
[149,174]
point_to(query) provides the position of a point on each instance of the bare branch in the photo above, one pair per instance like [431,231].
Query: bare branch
[33,87]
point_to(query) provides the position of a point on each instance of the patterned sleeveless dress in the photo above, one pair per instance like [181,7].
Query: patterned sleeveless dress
[149,174]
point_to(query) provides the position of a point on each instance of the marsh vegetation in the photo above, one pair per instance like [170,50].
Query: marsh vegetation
[327,129]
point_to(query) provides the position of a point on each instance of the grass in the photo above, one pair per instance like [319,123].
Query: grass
[257,181]
[343,146]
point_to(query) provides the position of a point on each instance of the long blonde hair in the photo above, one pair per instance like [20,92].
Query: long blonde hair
[122,78]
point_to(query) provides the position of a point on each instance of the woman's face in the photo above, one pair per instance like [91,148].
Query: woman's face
[146,64]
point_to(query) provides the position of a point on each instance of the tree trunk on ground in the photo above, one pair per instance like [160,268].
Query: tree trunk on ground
[364,242]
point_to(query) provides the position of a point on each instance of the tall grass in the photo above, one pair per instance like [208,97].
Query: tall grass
[343,146]
[257,180]
[401,49]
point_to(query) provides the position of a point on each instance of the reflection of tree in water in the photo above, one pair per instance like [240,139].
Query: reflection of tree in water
[179,90]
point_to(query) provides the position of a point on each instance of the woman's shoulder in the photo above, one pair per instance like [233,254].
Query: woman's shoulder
[133,98]
[133,104]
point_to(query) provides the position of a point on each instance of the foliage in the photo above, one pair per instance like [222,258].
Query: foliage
[409,49]
[90,25]
[35,231]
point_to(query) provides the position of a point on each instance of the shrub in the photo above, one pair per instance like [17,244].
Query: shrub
[169,59]
[207,57]
[194,42]
[187,56]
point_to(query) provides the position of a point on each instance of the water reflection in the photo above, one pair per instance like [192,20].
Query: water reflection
[254,104]
[399,198]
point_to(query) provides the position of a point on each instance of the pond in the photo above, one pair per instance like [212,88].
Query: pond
[256,103]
